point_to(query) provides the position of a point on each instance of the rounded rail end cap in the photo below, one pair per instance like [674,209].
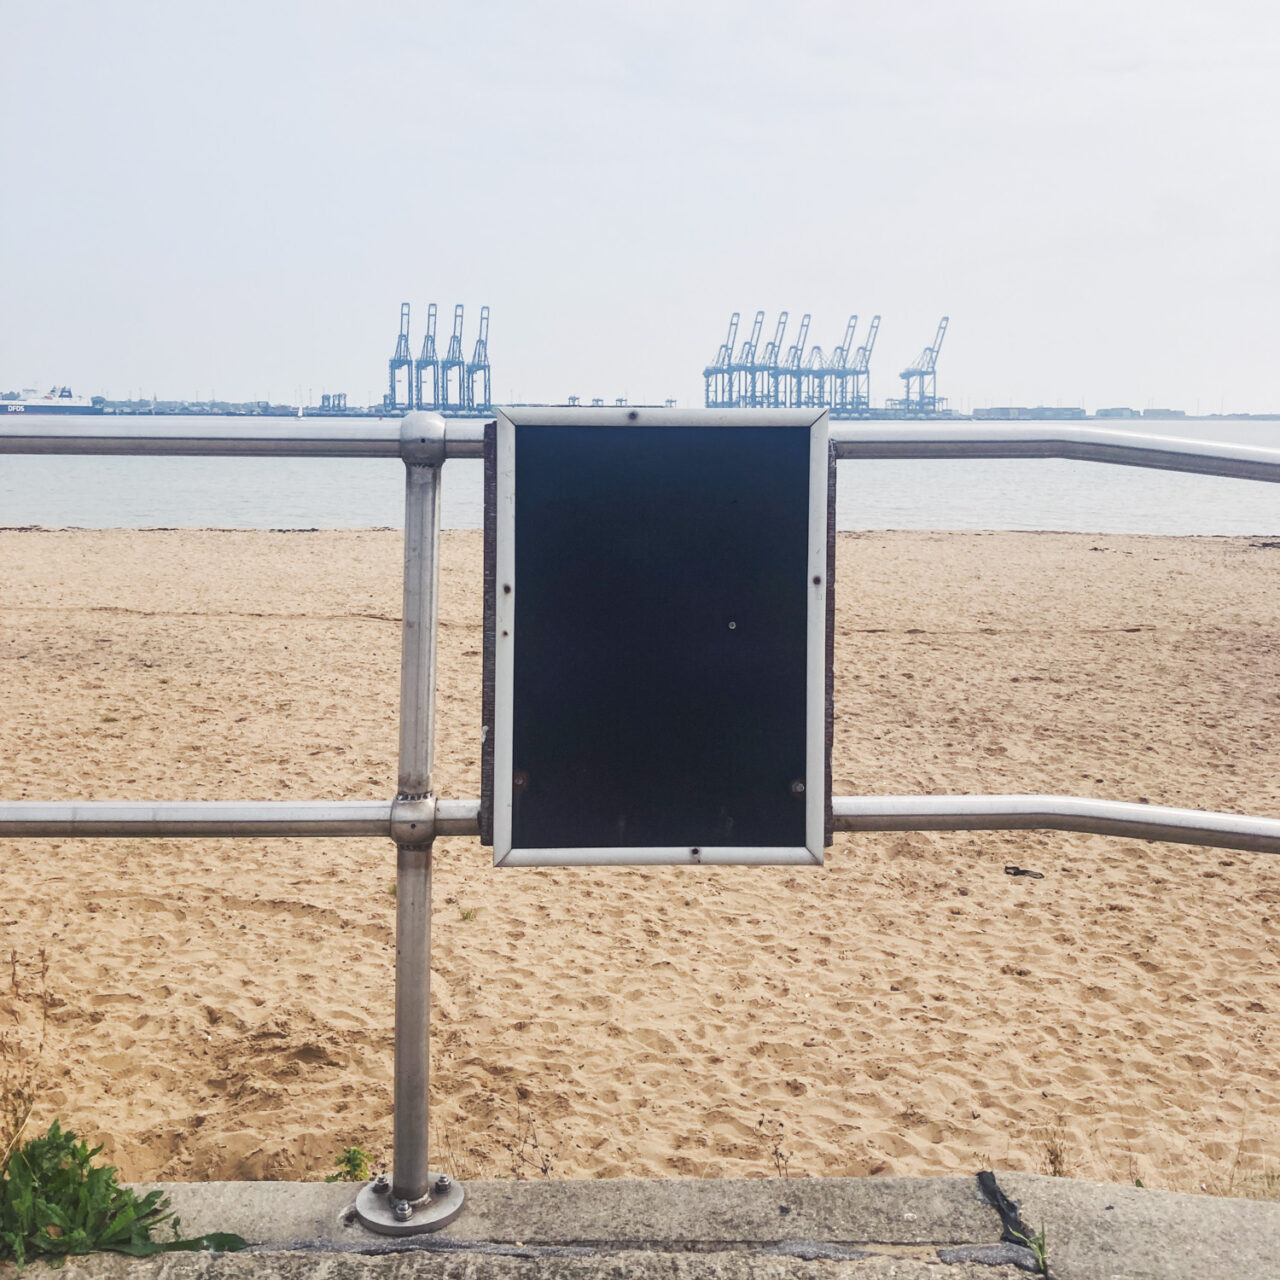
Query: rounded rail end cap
[422,439]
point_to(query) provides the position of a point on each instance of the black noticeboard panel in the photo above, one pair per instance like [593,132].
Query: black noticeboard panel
[660,624]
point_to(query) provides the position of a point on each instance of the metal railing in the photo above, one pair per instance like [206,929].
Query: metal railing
[417,1198]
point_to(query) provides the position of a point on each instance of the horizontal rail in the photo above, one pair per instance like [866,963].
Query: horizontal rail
[37,819]
[457,817]
[1056,813]
[276,437]
[137,820]
[240,437]
[1084,444]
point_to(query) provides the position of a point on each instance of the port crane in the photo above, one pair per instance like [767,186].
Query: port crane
[427,363]
[816,371]
[764,375]
[453,390]
[793,371]
[478,366]
[860,399]
[742,390]
[921,376]
[717,376]
[401,360]
[838,367]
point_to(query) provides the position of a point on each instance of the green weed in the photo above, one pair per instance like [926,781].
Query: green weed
[1039,1246]
[55,1202]
[352,1166]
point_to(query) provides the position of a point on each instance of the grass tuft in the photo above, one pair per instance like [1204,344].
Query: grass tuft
[22,1044]
[1053,1150]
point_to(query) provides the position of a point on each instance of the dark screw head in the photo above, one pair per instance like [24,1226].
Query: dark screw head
[506,588]
[519,780]
[632,416]
[797,787]
[817,581]
[401,1210]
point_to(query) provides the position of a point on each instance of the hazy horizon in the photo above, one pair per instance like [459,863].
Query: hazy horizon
[236,200]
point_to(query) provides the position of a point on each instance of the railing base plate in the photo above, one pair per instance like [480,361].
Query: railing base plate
[375,1209]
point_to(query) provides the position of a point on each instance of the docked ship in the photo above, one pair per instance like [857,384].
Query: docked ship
[56,400]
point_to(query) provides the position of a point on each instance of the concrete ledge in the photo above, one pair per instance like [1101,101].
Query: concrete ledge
[1101,1231]
[419,1266]
[685,1214]
[838,1228]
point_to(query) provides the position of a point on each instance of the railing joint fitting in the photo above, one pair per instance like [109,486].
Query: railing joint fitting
[413,819]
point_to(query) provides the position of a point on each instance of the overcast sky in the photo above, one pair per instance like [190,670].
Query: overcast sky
[236,197]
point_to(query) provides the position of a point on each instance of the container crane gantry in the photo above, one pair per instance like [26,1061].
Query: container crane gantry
[838,367]
[860,399]
[453,391]
[793,371]
[427,363]
[478,367]
[742,390]
[401,360]
[718,379]
[765,376]
[923,375]
[815,379]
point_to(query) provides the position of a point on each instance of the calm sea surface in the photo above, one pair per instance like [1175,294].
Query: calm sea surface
[302,493]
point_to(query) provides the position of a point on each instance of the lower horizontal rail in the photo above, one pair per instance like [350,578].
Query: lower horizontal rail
[196,818]
[111,818]
[265,818]
[1056,813]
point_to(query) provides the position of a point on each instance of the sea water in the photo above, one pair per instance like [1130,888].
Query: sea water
[358,493]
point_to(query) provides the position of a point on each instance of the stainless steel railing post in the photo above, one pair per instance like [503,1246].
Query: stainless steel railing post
[413,861]
[417,1200]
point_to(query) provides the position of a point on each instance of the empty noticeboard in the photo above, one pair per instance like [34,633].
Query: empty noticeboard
[656,660]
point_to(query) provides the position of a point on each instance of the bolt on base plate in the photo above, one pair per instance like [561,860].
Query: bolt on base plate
[380,1211]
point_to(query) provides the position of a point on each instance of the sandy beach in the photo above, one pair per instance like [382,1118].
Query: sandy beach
[222,1009]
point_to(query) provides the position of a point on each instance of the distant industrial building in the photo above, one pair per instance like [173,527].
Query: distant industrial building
[1022,413]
